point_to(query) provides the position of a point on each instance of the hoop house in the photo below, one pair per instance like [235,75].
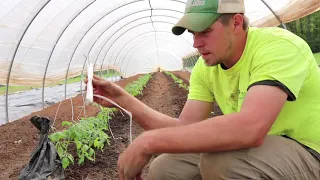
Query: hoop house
[44,42]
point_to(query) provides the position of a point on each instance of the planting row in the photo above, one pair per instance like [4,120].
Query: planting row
[89,134]
[177,80]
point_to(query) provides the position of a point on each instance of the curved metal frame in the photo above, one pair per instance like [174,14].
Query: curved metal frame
[120,29]
[59,36]
[107,40]
[116,59]
[126,45]
[145,33]
[15,53]
[100,36]
[135,46]
[123,34]
[135,52]
[278,18]
[47,65]
[123,59]
[131,57]
[140,40]
[66,77]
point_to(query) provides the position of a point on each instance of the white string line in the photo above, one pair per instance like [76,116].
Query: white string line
[84,104]
[109,124]
[55,117]
[72,111]
[90,95]
[80,113]
[129,113]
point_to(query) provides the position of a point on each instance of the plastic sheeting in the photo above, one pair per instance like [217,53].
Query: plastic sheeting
[26,102]
[63,31]
[45,41]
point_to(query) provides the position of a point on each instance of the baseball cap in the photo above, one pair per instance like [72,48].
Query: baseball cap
[200,14]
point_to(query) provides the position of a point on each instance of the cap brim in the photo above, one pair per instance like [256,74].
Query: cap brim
[195,22]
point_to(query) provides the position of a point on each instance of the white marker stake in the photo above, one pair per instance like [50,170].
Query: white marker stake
[89,95]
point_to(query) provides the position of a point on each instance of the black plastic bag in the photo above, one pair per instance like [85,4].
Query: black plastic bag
[45,162]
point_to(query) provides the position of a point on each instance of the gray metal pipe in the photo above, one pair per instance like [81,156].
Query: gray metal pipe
[15,53]
[127,55]
[139,36]
[60,35]
[138,47]
[87,33]
[122,34]
[278,18]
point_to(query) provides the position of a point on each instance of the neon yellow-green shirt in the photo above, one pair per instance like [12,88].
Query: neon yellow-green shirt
[272,56]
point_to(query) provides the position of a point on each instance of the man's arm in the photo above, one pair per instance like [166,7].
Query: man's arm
[147,118]
[244,129]
[195,111]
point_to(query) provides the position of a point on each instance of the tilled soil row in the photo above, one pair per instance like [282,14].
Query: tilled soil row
[161,94]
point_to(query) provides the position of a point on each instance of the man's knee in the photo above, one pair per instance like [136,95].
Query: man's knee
[223,164]
[175,167]
[158,168]
[276,157]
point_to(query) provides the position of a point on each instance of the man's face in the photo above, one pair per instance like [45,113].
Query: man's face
[215,44]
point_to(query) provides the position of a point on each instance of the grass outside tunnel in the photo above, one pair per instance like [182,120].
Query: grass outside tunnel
[14,89]
[317,56]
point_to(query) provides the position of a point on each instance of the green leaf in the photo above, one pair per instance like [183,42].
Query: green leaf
[78,144]
[55,137]
[96,142]
[66,123]
[70,157]
[81,159]
[88,157]
[100,116]
[65,162]
[78,135]
[91,152]
[85,148]
[60,151]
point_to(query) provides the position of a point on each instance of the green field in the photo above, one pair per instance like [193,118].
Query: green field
[13,89]
[317,56]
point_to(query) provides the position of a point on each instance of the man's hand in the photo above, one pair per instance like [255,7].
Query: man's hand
[134,159]
[107,89]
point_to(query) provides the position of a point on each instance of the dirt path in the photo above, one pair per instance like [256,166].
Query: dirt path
[19,138]
[161,93]
[184,75]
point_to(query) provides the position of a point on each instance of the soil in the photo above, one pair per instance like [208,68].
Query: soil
[19,138]
[184,75]
[163,95]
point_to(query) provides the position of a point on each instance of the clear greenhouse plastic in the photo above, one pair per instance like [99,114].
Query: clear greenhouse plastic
[43,42]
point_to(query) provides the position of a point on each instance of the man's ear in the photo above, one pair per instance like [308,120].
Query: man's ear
[237,22]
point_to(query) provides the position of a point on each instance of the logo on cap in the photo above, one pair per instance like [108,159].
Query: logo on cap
[195,3]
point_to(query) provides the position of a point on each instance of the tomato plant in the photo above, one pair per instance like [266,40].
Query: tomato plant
[89,134]
[180,82]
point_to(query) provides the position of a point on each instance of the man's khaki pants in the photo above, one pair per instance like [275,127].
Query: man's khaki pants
[278,158]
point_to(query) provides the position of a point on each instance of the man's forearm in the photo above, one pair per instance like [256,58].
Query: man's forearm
[218,134]
[145,116]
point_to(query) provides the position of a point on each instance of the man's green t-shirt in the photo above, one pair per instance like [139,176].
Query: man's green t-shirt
[272,56]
